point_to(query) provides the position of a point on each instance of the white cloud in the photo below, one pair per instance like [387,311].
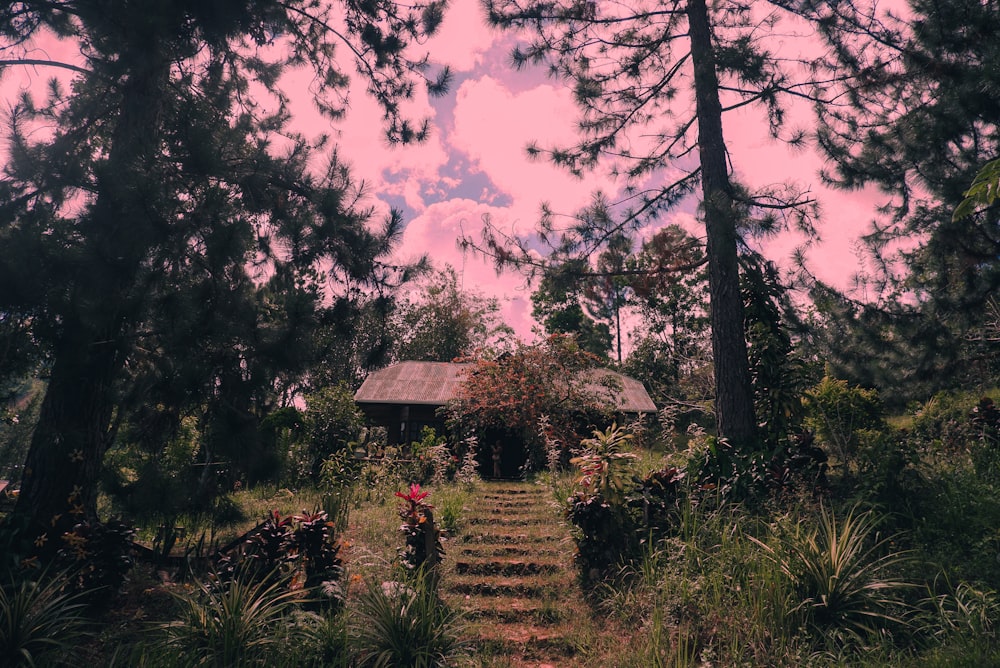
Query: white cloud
[436,232]
[463,38]
[493,126]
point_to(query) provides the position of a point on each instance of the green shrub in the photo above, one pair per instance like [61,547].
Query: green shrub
[404,626]
[332,421]
[40,622]
[718,471]
[888,471]
[942,425]
[99,555]
[836,412]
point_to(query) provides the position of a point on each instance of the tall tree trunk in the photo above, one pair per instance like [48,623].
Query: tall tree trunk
[618,328]
[733,393]
[59,485]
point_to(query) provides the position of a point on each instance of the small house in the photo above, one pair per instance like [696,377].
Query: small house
[404,398]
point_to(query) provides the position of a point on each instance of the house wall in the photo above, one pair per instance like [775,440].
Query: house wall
[403,423]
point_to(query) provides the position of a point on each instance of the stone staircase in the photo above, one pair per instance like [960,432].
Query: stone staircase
[511,572]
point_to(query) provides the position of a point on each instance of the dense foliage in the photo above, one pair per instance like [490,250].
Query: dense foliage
[509,398]
[184,236]
[928,321]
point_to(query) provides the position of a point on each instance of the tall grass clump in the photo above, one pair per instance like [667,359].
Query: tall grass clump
[451,501]
[405,626]
[243,622]
[960,625]
[40,622]
[843,573]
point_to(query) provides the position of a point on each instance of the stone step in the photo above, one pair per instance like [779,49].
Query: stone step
[511,551]
[512,539]
[507,521]
[526,503]
[498,567]
[482,585]
[539,647]
[504,492]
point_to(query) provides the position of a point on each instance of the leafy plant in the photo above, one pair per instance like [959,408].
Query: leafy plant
[423,551]
[468,470]
[842,572]
[99,555]
[603,465]
[606,528]
[982,193]
[299,550]
[398,625]
[658,494]
[233,625]
[40,621]
[338,475]
[717,470]
[798,462]
[606,533]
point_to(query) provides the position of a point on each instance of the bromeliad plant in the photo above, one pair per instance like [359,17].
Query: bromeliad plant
[423,551]
[246,623]
[843,575]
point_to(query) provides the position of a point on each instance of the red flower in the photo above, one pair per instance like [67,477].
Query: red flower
[415,495]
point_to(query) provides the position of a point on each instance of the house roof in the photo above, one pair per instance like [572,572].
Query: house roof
[414,383]
[627,394]
[435,383]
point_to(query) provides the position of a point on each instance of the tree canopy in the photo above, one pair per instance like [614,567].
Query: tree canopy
[653,83]
[169,237]
[925,121]
[442,322]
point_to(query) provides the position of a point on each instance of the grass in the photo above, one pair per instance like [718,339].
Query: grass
[793,583]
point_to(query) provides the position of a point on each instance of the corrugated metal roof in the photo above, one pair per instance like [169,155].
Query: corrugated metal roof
[428,383]
[435,383]
[627,394]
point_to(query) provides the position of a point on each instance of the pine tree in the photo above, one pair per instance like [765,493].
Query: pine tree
[167,220]
[650,80]
[923,124]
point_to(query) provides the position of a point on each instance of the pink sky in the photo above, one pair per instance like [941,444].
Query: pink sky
[483,127]
[475,164]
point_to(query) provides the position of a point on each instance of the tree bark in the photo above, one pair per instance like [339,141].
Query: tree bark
[60,479]
[734,407]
